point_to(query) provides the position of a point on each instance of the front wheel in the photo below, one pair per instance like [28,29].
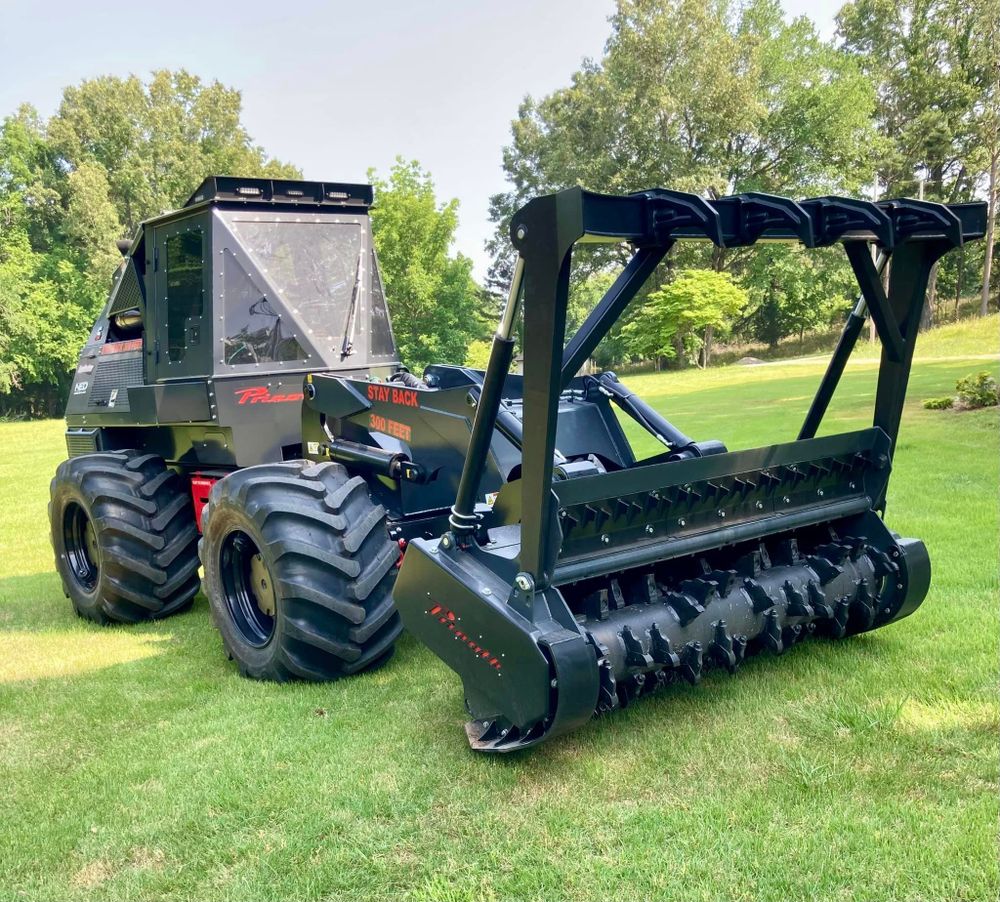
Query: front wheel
[299,571]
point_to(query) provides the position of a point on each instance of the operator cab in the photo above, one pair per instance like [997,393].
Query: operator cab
[217,312]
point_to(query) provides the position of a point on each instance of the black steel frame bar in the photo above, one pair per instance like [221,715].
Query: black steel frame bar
[912,263]
[607,311]
[838,361]
[544,232]
[870,283]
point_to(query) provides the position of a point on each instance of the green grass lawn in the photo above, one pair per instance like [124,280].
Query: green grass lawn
[135,763]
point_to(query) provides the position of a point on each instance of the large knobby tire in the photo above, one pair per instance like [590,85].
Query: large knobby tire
[299,569]
[124,537]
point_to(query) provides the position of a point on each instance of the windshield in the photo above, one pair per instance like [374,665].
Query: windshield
[313,266]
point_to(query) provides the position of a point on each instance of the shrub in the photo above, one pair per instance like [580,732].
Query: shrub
[977,390]
[939,403]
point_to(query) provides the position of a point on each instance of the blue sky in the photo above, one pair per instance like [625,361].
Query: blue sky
[336,87]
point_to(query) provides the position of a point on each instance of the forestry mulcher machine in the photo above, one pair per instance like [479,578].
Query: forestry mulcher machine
[556,573]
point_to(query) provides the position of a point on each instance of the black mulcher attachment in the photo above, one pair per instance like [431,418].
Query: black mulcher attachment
[594,578]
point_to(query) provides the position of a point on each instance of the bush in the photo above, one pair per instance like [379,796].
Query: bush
[977,390]
[478,354]
[939,403]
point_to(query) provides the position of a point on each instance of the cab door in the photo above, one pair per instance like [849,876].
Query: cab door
[182,282]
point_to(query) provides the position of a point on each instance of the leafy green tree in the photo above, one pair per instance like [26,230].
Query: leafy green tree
[934,64]
[792,291]
[436,306]
[985,68]
[156,141]
[917,54]
[477,355]
[116,152]
[714,98]
[685,316]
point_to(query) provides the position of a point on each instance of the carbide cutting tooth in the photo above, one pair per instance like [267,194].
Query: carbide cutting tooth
[724,579]
[692,662]
[817,599]
[842,613]
[721,649]
[856,546]
[629,688]
[616,598]
[771,634]
[660,678]
[635,655]
[750,564]
[704,590]
[685,607]
[825,570]
[884,565]
[864,605]
[649,592]
[835,552]
[607,694]
[787,553]
[595,605]
[797,606]
[758,596]
[659,648]
[792,634]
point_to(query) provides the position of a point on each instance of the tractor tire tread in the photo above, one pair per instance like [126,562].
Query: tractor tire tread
[144,519]
[326,546]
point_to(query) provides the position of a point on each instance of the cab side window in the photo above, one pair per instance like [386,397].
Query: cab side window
[185,295]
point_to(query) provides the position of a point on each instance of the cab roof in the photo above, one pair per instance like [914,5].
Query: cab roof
[280,192]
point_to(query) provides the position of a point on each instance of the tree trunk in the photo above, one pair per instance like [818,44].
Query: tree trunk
[958,279]
[707,350]
[991,215]
[927,316]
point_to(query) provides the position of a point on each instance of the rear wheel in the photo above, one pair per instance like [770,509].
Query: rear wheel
[123,533]
[299,571]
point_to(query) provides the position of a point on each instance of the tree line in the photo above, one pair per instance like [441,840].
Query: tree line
[714,97]
[722,97]
[120,150]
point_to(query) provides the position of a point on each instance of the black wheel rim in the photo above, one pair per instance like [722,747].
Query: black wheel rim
[82,550]
[248,589]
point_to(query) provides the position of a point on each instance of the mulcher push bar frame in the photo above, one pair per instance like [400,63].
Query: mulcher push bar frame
[913,234]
